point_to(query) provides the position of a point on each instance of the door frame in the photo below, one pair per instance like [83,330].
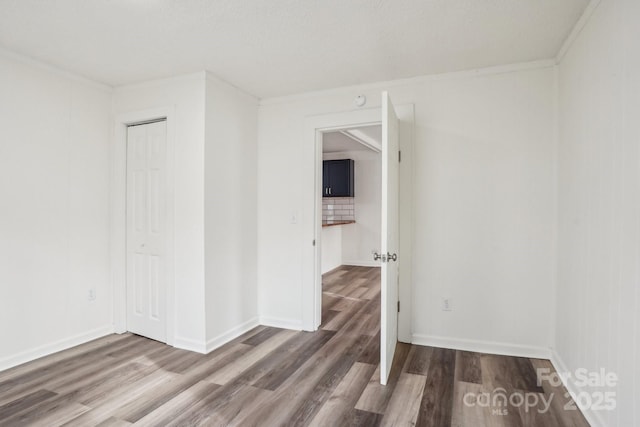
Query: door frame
[118,216]
[311,303]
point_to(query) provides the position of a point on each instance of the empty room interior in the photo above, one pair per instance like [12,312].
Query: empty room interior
[327,213]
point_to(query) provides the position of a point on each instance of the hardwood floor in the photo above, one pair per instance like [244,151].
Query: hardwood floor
[273,377]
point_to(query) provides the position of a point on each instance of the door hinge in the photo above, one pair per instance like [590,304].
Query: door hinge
[398,306]
[314,242]
[399,156]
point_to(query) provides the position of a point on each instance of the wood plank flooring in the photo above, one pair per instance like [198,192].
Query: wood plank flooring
[276,377]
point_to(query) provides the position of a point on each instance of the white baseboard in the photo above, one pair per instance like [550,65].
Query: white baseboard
[366,263]
[489,347]
[275,322]
[216,342]
[235,332]
[60,345]
[593,417]
[190,344]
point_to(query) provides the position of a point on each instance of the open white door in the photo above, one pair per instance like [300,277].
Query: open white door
[146,307]
[390,233]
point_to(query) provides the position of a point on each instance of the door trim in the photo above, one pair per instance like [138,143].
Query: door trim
[311,304]
[118,218]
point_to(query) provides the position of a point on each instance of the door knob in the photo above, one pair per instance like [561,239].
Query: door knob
[392,257]
[377,256]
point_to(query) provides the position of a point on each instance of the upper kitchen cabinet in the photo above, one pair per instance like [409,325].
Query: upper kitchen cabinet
[337,178]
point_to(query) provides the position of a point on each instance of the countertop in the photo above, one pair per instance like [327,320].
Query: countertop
[332,223]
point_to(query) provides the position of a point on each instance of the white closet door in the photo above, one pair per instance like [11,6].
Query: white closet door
[146,311]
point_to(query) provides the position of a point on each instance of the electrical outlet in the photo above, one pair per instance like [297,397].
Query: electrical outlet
[91,296]
[447,304]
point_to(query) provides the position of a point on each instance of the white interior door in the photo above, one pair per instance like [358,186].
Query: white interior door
[146,170]
[390,233]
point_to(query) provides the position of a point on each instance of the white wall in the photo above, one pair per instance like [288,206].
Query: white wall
[484,211]
[230,211]
[598,298]
[331,247]
[54,210]
[359,239]
[186,95]
[483,197]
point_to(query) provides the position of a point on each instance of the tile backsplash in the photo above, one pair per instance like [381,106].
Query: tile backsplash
[337,209]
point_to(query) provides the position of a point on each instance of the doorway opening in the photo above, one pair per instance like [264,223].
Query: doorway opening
[351,230]
[396,135]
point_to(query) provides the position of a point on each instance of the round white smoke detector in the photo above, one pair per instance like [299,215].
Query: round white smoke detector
[360,100]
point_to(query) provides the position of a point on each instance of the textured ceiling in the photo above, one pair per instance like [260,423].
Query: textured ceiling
[279,47]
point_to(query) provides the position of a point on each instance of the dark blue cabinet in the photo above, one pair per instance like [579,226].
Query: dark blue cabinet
[337,178]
